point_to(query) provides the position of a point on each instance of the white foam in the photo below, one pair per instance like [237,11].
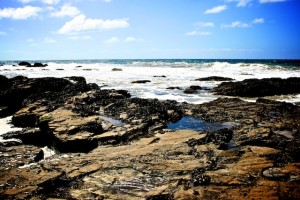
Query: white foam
[48,152]
[6,127]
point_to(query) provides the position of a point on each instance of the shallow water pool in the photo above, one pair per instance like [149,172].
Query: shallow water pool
[192,123]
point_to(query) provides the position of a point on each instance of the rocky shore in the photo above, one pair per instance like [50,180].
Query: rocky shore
[82,142]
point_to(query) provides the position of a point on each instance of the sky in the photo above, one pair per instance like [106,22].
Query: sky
[149,29]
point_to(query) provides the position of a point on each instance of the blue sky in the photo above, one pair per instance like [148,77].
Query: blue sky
[112,29]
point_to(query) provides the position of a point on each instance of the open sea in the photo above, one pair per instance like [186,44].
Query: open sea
[162,73]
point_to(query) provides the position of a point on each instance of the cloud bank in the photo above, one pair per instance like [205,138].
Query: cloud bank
[20,13]
[80,24]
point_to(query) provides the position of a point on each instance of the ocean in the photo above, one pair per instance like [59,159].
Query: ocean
[162,74]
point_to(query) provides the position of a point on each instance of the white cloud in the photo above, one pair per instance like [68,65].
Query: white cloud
[271,1]
[19,13]
[66,10]
[194,33]
[258,21]
[243,3]
[85,37]
[49,40]
[216,9]
[50,2]
[133,39]
[205,24]
[80,24]
[236,24]
[112,40]
[26,1]
[2,33]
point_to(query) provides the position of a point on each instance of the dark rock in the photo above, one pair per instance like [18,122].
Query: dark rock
[195,87]
[160,197]
[162,76]
[30,136]
[141,81]
[39,156]
[23,63]
[124,93]
[77,79]
[117,69]
[259,87]
[201,180]
[5,82]
[190,91]
[25,120]
[173,88]
[220,137]
[39,65]
[215,78]
[22,90]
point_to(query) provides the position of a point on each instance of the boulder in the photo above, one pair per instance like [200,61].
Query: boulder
[23,63]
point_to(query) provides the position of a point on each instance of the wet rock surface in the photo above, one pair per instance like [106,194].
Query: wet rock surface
[259,87]
[110,146]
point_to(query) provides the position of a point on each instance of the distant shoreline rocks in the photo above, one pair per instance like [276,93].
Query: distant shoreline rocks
[214,78]
[141,81]
[117,70]
[27,64]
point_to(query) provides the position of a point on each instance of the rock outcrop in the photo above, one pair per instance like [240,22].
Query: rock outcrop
[259,87]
